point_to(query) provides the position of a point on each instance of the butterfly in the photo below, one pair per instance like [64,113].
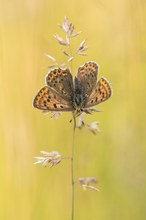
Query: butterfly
[64,94]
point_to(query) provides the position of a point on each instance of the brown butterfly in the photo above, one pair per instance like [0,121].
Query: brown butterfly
[63,94]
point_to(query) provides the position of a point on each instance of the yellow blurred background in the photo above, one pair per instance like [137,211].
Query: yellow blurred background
[116,33]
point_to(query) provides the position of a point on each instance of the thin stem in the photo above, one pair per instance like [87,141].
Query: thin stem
[73,146]
[72,165]
[66,158]
[71,63]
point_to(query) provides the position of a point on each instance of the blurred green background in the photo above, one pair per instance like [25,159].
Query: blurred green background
[116,33]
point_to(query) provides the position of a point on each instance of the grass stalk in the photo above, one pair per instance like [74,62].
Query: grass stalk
[72,165]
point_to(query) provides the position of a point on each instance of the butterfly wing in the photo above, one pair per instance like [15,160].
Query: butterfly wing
[88,77]
[62,82]
[48,99]
[100,93]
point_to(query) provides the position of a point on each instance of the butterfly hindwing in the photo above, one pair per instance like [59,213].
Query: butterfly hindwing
[61,81]
[47,99]
[101,93]
[88,76]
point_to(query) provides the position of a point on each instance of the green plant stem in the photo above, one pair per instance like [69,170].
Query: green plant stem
[72,165]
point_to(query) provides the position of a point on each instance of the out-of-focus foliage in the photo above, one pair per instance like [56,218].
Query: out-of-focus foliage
[116,34]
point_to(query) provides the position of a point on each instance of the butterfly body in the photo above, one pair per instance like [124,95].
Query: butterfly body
[79,95]
[63,94]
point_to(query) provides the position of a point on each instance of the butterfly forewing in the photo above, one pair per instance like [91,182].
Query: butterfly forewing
[101,93]
[61,81]
[88,76]
[47,99]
